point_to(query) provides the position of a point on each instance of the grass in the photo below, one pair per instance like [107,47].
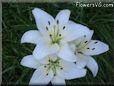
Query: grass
[17,19]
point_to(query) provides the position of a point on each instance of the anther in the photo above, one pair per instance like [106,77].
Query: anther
[46,28]
[59,34]
[45,66]
[74,62]
[50,35]
[95,42]
[49,22]
[84,35]
[63,27]
[57,21]
[93,48]
[85,42]
[61,68]
[54,74]
[46,74]
[88,48]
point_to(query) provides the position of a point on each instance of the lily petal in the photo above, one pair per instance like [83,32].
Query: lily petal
[47,58]
[89,36]
[70,71]
[86,37]
[81,61]
[74,31]
[29,61]
[42,18]
[58,81]
[62,18]
[71,22]
[42,50]
[92,65]
[66,53]
[32,36]
[41,77]
[95,47]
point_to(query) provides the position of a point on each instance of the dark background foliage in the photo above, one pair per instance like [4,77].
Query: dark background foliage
[17,19]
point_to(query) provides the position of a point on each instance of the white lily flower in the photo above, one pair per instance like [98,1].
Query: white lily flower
[85,48]
[52,69]
[53,35]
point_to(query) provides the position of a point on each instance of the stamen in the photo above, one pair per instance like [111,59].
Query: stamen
[57,21]
[74,62]
[49,22]
[93,48]
[47,74]
[46,28]
[54,74]
[50,35]
[84,35]
[85,42]
[45,66]
[61,68]
[80,52]
[63,27]
[59,34]
[95,42]
[88,48]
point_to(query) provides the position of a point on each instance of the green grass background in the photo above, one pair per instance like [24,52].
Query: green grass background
[17,19]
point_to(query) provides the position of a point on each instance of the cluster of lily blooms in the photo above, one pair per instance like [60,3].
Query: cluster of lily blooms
[63,49]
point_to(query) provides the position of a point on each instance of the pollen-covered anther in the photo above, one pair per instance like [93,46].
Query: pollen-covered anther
[50,35]
[47,74]
[85,41]
[93,48]
[63,27]
[45,66]
[46,28]
[59,34]
[57,21]
[84,35]
[49,60]
[54,74]
[61,68]
[95,42]
[49,22]
[88,48]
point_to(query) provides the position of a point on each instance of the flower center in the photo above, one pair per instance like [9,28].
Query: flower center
[54,32]
[55,36]
[53,65]
[81,46]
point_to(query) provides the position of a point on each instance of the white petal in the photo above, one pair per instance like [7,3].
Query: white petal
[71,22]
[47,58]
[42,50]
[89,36]
[66,53]
[32,36]
[58,81]
[93,66]
[85,37]
[70,71]
[40,77]
[95,47]
[30,61]
[63,17]
[74,31]
[81,61]
[42,18]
